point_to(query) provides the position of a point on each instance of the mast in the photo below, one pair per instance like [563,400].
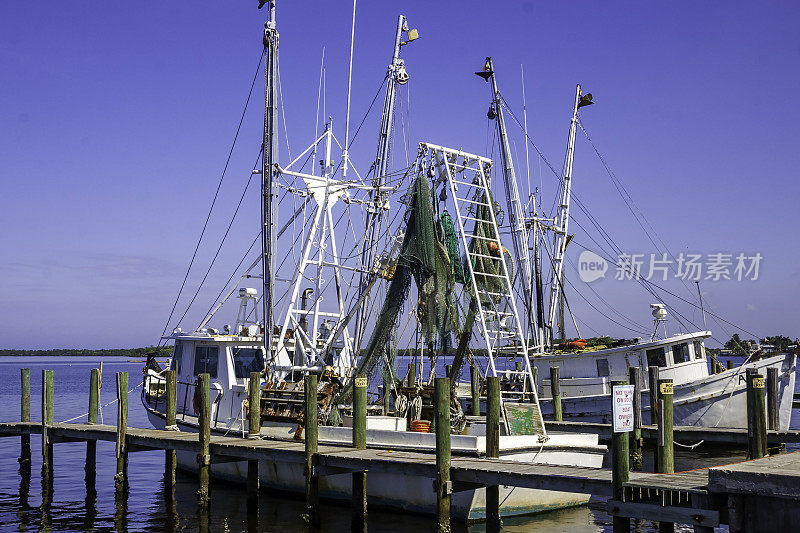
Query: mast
[516,215]
[268,161]
[375,213]
[562,213]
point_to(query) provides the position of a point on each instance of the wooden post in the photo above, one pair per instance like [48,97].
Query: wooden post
[475,389]
[652,374]
[90,468]
[204,436]
[253,432]
[756,415]
[412,374]
[444,487]
[254,405]
[773,400]
[47,420]
[493,522]
[620,469]
[121,477]
[25,416]
[171,423]
[665,463]
[359,495]
[635,378]
[729,364]
[555,389]
[310,433]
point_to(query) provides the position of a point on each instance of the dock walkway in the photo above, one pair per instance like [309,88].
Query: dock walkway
[698,497]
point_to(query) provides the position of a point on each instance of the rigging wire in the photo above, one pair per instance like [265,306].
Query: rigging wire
[213,202]
[222,242]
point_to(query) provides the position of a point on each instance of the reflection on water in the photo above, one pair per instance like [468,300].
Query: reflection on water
[72,499]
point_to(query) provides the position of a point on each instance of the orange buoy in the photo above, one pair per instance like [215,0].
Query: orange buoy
[421,426]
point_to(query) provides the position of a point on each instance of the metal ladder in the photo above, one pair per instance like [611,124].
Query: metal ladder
[500,323]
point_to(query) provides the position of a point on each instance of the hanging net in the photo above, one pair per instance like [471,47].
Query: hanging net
[424,258]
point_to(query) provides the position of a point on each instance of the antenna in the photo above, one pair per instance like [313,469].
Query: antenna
[525,127]
[345,154]
[316,119]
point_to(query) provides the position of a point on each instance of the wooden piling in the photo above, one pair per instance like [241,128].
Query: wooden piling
[666,458]
[493,522]
[47,420]
[121,477]
[635,379]
[412,374]
[25,416]
[475,389]
[444,487]
[652,375]
[254,405]
[204,437]
[171,422]
[620,468]
[729,364]
[773,400]
[555,389]
[253,432]
[91,445]
[311,436]
[756,415]
[665,463]
[359,495]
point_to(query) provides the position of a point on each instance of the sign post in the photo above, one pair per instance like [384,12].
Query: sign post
[622,413]
[623,408]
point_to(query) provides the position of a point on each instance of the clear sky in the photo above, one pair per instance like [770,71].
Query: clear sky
[117,119]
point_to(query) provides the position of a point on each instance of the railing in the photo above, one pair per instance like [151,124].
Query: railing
[154,392]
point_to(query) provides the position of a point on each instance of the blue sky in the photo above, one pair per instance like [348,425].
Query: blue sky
[117,119]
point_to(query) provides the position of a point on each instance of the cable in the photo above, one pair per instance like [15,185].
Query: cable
[214,201]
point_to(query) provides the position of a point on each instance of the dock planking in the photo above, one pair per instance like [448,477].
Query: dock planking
[690,434]
[743,495]
[468,471]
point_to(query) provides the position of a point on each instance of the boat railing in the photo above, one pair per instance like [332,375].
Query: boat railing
[154,394]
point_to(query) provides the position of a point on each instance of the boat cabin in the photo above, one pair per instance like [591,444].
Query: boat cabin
[681,358]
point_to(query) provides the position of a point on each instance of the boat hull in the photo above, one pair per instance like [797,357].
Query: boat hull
[407,493]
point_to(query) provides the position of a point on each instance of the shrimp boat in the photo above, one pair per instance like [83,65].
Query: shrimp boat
[352,269]
[700,398]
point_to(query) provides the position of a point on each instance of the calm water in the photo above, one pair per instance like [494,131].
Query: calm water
[147,508]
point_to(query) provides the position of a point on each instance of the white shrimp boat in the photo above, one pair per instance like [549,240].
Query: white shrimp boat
[700,398]
[319,323]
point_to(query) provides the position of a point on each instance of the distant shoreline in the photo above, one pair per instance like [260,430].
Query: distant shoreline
[162,351]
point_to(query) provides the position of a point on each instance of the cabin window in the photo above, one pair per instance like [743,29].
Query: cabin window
[656,357]
[177,357]
[205,360]
[698,350]
[602,368]
[246,360]
[680,353]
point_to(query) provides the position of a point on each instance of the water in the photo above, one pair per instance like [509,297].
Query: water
[147,507]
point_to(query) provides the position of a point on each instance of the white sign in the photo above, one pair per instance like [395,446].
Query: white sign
[623,408]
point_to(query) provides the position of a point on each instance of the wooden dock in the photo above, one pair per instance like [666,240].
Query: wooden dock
[698,497]
[687,434]
[747,496]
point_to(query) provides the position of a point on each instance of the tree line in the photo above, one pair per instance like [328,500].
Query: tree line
[159,351]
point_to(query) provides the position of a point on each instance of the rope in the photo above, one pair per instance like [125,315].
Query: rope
[689,446]
[100,407]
